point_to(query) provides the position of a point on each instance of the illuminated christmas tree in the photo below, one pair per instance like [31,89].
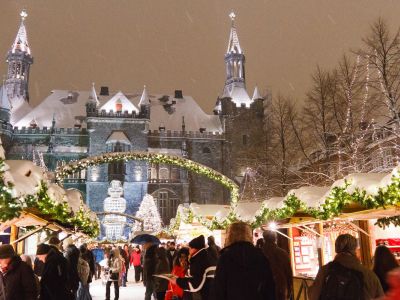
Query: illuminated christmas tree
[148,212]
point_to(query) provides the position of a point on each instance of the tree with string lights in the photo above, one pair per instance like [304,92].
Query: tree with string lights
[148,212]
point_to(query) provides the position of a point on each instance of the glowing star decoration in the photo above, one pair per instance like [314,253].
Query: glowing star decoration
[148,212]
[23,14]
[232,16]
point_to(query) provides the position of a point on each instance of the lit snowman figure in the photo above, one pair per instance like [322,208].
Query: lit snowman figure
[114,224]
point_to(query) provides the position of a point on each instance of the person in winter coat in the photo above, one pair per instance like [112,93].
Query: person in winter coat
[171,253]
[72,256]
[345,247]
[213,249]
[115,268]
[181,263]
[126,254]
[199,275]
[243,271]
[54,282]
[162,267]
[98,254]
[149,266]
[384,262]
[136,262]
[28,260]
[18,279]
[87,255]
[279,261]
[393,279]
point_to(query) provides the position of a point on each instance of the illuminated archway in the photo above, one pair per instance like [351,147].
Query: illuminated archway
[187,164]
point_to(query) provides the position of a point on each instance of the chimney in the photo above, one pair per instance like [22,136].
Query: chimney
[178,94]
[104,91]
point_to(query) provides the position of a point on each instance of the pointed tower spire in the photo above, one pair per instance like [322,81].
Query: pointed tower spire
[235,83]
[21,40]
[256,94]
[233,45]
[93,95]
[19,59]
[144,100]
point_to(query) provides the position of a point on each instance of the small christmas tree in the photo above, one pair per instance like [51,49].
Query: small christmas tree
[148,212]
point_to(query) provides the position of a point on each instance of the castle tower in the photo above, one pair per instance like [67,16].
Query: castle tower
[242,116]
[19,59]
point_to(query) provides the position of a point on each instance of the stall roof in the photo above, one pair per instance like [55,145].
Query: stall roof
[210,210]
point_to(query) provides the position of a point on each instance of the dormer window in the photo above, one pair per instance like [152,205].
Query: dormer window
[33,124]
[118,106]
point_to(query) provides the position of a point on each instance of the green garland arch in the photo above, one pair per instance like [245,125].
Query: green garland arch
[190,165]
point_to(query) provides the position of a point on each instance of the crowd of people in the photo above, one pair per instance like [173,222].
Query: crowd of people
[199,270]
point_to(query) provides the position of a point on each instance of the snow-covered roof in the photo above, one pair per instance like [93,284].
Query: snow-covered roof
[119,99]
[20,108]
[118,136]
[68,106]
[369,182]
[144,100]
[210,210]
[256,94]
[25,177]
[247,210]
[4,101]
[274,202]
[310,195]
[75,199]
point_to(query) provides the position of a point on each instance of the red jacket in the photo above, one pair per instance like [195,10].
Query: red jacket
[393,280]
[173,289]
[135,258]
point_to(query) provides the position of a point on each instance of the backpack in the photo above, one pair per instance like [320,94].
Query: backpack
[342,283]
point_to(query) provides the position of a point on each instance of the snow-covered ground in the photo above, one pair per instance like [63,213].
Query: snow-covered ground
[133,291]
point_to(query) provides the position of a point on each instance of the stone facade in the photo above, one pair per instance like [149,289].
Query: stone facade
[72,125]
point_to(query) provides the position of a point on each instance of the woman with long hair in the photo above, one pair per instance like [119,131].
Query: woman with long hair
[243,271]
[384,262]
[179,269]
[115,268]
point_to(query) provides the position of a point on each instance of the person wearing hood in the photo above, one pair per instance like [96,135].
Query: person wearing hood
[198,280]
[17,280]
[243,271]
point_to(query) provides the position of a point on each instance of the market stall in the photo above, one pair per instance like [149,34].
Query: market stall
[33,208]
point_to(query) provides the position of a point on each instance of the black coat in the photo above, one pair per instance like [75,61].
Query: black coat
[171,258]
[198,264]
[54,283]
[243,272]
[19,281]
[149,264]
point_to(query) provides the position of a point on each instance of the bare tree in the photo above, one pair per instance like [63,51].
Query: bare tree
[383,54]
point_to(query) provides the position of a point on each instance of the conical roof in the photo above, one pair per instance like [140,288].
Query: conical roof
[21,40]
[233,45]
[144,100]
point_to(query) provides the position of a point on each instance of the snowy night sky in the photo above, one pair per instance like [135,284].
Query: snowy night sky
[170,45]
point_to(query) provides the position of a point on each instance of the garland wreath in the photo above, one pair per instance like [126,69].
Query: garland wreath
[12,207]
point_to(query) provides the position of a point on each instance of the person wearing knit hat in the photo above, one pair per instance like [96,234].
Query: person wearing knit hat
[198,243]
[200,272]
[368,288]
[54,283]
[18,279]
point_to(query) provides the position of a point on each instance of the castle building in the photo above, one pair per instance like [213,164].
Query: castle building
[71,125]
